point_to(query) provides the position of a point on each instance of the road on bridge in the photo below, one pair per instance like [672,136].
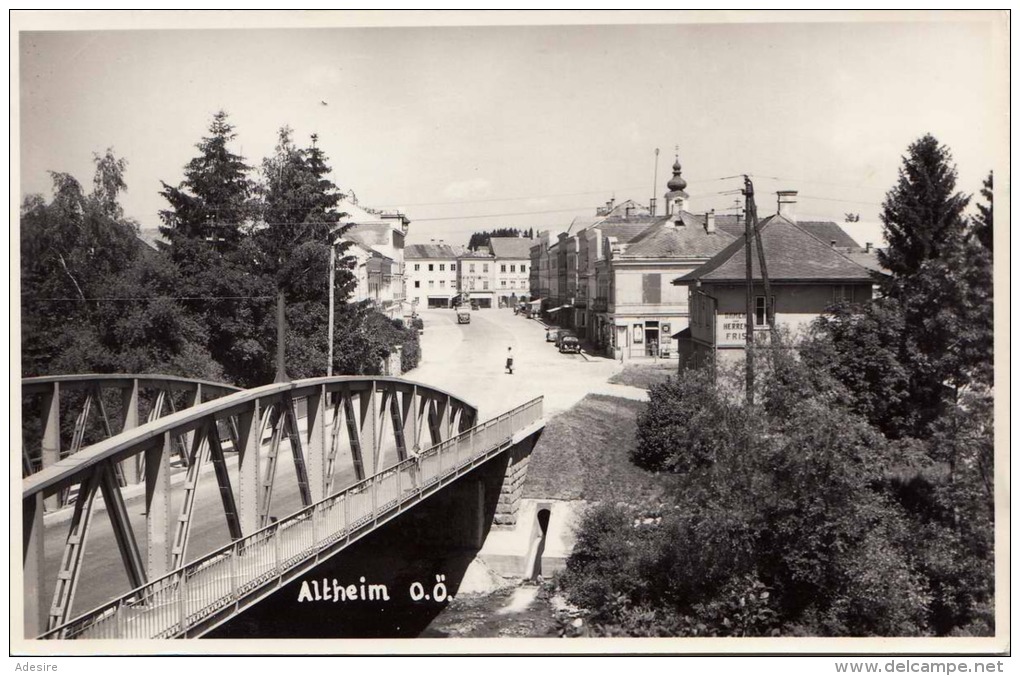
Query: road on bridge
[466,360]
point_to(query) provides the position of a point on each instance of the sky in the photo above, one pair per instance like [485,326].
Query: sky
[474,127]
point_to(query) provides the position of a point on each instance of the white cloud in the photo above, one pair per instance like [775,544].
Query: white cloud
[472,188]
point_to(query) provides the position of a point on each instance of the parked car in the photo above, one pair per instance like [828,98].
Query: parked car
[552,335]
[570,344]
[564,333]
[463,317]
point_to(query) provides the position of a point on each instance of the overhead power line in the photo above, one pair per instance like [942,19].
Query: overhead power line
[150,298]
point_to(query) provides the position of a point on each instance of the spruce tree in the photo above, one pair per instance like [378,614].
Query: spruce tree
[923,214]
[926,231]
[213,201]
[980,302]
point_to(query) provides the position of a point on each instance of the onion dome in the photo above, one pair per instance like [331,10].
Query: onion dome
[677,183]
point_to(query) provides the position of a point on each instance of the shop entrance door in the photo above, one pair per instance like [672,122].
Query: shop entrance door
[651,339]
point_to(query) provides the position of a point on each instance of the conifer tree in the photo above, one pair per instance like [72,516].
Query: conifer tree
[212,203]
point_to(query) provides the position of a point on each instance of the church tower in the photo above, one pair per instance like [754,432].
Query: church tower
[676,198]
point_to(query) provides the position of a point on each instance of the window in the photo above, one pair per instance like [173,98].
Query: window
[417,267]
[453,267]
[502,268]
[504,283]
[485,267]
[485,284]
[431,267]
[432,284]
[442,267]
[841,293]
[522,269]
[639,333]
[471,267]
[759,310]
[442,284]
[417,284]
[513,268]
[651,289]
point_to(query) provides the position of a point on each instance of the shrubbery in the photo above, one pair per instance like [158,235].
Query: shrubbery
[782,519]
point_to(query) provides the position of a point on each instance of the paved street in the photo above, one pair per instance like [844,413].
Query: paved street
[465,359]
[468,360]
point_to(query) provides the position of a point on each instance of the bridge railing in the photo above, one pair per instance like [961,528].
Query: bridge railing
[189,596]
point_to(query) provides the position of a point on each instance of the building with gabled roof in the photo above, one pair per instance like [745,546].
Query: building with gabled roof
[626,304]
[511,266]
[432,274]
[806,276]
[378,246]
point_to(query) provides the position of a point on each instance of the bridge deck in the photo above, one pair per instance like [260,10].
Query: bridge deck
[199,596]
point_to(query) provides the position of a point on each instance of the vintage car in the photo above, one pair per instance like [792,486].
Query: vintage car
[564,333]
[552,335]
[570,344]
[463,317]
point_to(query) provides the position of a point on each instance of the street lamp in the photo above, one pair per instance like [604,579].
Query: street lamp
[332,283]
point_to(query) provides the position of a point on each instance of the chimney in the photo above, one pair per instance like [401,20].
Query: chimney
[630,208]
[609,205]
[710,221]
[867,247]
[787,204]
[832,243]
[651,207]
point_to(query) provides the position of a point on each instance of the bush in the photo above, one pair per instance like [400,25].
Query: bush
[686,425]
[780,524]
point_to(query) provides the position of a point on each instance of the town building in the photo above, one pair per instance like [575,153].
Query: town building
[476,277]
[377,239]
[807,274]
[644,309]
[432,274]
[512,263]
[373,274]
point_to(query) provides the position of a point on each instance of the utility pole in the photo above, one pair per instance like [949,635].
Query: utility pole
[655,183]
[281,339]
[752,235]
[332,282]
[749,292]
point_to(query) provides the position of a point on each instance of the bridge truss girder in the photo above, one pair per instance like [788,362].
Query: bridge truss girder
[379,415]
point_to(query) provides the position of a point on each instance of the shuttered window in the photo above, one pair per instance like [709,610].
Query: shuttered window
[651,289]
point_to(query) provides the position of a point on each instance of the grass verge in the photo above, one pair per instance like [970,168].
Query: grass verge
[644,375]
[584,454]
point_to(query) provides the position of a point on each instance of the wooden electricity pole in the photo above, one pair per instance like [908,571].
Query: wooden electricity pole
[748,292]
[752,235]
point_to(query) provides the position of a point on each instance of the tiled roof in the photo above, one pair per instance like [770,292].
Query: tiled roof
[826,231]
[510,247]
[371,253]
[618,213]
[664,239]
[481,253]
[829,232]
[432,251]
[625,231]
[866,259]
[582,223]
[791,253]
[370,233]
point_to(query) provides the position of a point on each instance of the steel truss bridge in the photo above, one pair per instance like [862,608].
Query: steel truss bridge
[405,440]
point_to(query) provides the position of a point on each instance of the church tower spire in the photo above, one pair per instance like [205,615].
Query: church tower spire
[676,198]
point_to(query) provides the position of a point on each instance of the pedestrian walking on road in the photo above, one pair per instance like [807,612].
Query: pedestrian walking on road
[510,360]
